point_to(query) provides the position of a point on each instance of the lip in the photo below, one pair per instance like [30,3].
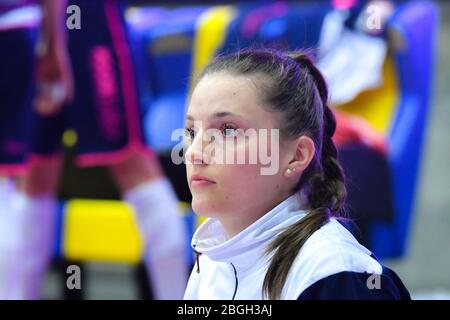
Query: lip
[198,180]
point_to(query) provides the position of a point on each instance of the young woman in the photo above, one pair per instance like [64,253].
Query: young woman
[272,236]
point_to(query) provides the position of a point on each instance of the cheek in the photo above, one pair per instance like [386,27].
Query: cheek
[238,185]
[244,179]
[244,187]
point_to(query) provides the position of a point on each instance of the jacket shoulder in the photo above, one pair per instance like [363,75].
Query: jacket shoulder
[349,285]
[330,250]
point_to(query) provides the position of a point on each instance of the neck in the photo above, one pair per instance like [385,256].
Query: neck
[236,222]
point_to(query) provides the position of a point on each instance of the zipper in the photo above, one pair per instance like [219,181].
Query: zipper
[236,281]
[197,258]
[197,255]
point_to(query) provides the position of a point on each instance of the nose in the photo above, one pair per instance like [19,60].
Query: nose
[195,152]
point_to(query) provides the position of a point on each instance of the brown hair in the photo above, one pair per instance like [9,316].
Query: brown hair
[294,87]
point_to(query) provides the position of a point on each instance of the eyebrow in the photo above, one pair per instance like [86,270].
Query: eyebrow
[215,115]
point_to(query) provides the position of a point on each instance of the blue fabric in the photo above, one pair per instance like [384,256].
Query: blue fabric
[298,28]
[16,92]
[167,62]
[355,286]
[414,66]
[101,126]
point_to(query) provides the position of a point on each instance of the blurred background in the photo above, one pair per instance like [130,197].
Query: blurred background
[425,265]
[387,66]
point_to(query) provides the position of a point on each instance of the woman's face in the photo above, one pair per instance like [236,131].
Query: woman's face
[228,108]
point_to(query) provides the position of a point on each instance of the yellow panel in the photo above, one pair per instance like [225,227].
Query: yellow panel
[199,220]
[101,230]
[378,105]
[210,35]
[184,207]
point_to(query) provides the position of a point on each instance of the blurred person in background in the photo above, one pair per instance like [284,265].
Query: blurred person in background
[103,109]
[19,24]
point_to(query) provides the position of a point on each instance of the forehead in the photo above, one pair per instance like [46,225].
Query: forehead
[222,92]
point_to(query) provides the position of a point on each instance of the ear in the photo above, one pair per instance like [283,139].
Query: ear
[303,155]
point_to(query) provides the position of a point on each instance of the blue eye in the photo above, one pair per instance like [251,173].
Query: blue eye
[229,130]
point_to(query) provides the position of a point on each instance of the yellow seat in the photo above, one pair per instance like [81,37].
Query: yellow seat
[377,106]
[210,35]
[100,230]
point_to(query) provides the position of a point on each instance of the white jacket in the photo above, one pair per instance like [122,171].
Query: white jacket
[235,268]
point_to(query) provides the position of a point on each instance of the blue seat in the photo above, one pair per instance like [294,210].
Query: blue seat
[166,48]
[140,20]
[279,24]
[299,28]
[413,29]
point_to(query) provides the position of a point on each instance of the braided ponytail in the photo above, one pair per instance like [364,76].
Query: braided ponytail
[326,193]
[328,188]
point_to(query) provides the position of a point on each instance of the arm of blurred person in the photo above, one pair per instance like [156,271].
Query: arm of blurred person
[54,78]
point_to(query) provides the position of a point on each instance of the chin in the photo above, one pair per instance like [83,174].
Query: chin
[204,207]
